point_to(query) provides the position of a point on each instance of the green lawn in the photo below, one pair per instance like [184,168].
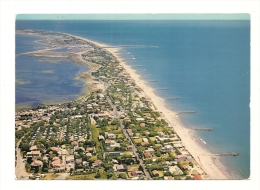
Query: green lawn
[137,140]
[152,139]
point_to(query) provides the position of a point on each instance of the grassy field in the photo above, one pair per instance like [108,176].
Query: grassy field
[49,176]
[81,177]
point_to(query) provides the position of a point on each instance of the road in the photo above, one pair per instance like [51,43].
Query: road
[130,140]
[20,171]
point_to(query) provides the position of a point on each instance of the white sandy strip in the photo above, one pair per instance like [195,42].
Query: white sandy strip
[215,169]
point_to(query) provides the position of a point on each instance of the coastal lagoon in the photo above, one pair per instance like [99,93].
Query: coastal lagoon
[40,80]
[204,63]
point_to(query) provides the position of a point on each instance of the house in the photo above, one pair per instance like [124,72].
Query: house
[136,172]
[107,142]
[145,140]
[177,145]
[97,163]
[197,177]
[185,167]
[89,149]
[168,147]
[89,155]
[36,163]
[147,155]
[74,143]
[101,137]
[144,143]
[114,153]
[168,178]
[33,148]
[69,159]
[55,158]
[121,168]
[142,125]
[55,149]
[110,135]
[150,150]
[161,134]
[181,158]
[155,173]
[33,154]
[105,114]
[140,119]
[79,170]
[78,161]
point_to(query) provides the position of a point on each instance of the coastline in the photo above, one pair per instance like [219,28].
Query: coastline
[211,165]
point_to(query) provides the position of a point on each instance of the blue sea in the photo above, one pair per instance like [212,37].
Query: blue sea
[204,63]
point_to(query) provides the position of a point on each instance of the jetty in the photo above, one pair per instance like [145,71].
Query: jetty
[203,129]
[226,154]
[185,112]
[141,69]
[137,65]
[172,98]
[161,88]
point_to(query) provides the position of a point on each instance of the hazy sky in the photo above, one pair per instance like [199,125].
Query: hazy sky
[133,16]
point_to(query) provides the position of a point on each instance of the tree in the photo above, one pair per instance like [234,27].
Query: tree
[122,175]
[188,178]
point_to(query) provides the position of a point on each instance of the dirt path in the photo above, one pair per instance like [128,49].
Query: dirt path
[61,176]
[20,171]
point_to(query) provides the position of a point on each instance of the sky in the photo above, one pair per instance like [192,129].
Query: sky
[133,16]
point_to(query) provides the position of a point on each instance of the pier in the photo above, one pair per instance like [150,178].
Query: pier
[203,129]
[187,112]
[172,98]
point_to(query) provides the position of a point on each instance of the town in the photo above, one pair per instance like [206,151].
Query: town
[114,132]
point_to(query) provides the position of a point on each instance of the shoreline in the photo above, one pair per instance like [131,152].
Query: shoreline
[210,164]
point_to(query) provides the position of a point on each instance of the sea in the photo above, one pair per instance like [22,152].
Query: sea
[205,63]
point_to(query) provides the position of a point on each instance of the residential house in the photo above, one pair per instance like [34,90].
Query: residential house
[121,168]
[155,173]
[78,161]
[136,173]
[36,154]
[74,143]
[69,159]
[36,163]
[33,148]
[97,163]
[197,177]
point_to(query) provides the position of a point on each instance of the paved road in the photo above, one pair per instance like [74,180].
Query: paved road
[20,171]
[130,140]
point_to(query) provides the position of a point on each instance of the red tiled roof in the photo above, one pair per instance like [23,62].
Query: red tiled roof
[142,124]
[197,177]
